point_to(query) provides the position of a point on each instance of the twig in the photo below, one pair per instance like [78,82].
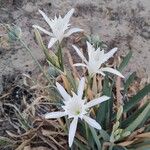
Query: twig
[71,64]
[118,94]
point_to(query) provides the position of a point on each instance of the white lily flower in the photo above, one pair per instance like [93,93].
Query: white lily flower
[96,59]
[75,107]
[60,27]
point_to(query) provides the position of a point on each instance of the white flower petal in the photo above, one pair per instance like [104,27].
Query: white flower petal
[92,122]
[110,53]
[81,87]
[72,131]
[53,115]
[90,48]
[52,42]
[63,92]
[96,101]
[71,31]
[79,53]
[45,17]
[43,30]
[111,70]
[80,64]
[68,15]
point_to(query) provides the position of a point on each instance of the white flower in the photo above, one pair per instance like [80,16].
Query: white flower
[75,107]
[58,26]
[96,59]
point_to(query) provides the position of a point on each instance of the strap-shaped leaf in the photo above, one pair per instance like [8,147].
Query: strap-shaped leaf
[104,135]
[145,146]
[132,117]
[143,116]
[129,81]
[80,145]
[50,56]
[71,80]
[60,57]
[4,141]
[96,138]
[136,98]
[125,61]
[116,147]
[105,109]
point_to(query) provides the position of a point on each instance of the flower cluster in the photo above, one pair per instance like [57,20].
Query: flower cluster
[96,59]
[77,105]
[60,27]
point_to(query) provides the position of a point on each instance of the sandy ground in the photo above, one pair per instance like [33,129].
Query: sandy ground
[120,23]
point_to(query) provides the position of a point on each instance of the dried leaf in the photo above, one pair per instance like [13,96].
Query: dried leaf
[94,85]
[143,135]
[23,144]
[118,94]
[66,84]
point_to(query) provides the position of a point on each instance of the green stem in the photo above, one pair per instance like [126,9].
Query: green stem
[60,57]
[86,131]
[29,50]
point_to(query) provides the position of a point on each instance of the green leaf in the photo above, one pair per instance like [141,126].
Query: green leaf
[71,80]
[118,148]
[96,138]
[14,33]
[4,141]
[80,145]
[132,117]
[104,135]
[125,61]
[60,57]
[145,147]
[146,118]
[96,41]
[105,109]
[89,136]
[125,134]
[136,98]
[141,145]
[129,81]
[139,119]
[147,129]
[53,71]
[50,56]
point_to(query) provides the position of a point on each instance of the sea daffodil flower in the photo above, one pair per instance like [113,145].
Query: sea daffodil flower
[77,108]
[96,58]
[60,27]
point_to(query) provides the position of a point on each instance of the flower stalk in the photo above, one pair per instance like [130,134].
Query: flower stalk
[60,57]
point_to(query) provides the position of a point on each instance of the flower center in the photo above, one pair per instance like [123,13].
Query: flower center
[75,107]
[78,112]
